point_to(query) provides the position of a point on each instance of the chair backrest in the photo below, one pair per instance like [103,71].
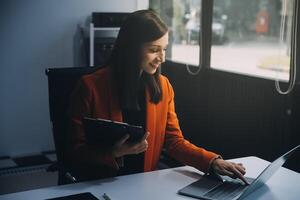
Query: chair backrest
[61,82]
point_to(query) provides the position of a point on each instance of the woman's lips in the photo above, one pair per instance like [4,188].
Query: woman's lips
[155,66]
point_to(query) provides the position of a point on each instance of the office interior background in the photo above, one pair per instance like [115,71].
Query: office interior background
[223,77]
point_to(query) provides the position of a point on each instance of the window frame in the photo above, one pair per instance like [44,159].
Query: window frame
[206,33]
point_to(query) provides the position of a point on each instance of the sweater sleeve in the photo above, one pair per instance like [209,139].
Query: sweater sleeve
[82,106]
[180,148]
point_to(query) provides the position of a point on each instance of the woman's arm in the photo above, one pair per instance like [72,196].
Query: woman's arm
[178,147]
[189,154]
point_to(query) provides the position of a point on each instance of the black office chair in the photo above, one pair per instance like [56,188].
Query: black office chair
[61,82]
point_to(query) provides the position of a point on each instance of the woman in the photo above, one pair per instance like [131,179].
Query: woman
[131,89]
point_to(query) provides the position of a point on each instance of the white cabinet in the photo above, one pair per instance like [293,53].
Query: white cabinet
[103,32]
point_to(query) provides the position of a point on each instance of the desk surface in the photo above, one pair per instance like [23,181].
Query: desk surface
[164,184]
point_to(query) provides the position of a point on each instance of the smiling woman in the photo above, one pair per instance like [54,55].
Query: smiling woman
[154,54]
[131,89]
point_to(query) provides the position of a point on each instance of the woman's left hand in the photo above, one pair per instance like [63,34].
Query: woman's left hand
[230,169]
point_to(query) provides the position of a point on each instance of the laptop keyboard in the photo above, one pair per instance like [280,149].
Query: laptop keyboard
[225,191]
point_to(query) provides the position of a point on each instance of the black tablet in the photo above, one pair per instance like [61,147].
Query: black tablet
[106,132]
[80,196]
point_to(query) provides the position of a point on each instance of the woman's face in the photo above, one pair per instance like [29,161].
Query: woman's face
[153,54]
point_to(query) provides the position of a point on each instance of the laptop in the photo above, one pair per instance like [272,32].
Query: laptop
[213,187]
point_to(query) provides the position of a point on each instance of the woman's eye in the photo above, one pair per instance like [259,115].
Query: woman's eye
[154,50]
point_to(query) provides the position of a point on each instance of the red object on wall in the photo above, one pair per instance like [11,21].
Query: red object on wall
[262,22]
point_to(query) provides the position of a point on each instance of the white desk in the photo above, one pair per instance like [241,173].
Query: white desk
[164,184]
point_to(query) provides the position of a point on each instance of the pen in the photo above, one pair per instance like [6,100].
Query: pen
[106,197]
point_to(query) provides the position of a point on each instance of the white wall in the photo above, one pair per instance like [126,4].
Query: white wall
[34,35]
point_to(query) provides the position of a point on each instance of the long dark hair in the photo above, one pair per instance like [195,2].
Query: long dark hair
[138,28]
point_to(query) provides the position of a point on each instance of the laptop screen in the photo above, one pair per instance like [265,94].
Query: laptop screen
[268,172]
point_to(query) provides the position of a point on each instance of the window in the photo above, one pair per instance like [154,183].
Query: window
[245,35]
[251,43]
[183,18]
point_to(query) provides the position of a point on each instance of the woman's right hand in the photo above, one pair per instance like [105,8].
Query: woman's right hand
[122,148]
